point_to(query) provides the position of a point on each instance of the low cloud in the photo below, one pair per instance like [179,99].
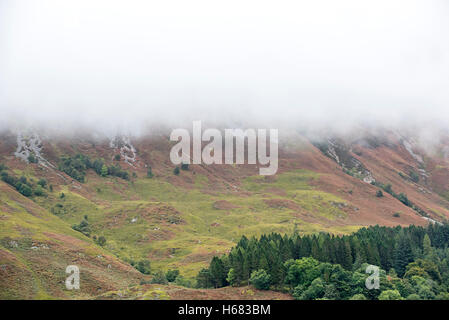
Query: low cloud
[113,65]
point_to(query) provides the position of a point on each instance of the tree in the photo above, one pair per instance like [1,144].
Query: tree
[176,171]
[414,176]
[104,171]
[390,295]
[117,157]
[185,166]
[302,271]
[217,272]
[403,254]
[358,296]
[171,275]
[427,247]
[42,182]
[149,173]
[101,241]
[203,279]
[379,194]
[159,278]
[260,279]
[231,278]
[144,266]
[25,190]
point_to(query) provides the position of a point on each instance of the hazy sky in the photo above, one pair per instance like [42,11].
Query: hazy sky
[125,63]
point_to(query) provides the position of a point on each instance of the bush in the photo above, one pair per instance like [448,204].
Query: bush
[260,279]
[117,157]
[414,176]
[176,171]
[379,194]
[149,173]
[32,158]
[143,266]
[358,296]
[101,241]
[83,227]
[159,278]
[396,214]
[390,295]
[171,275]
[25,190]
[185,166]
[39,191]
[403,198]
[42,182]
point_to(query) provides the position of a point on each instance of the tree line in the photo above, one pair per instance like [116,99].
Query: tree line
[410,259]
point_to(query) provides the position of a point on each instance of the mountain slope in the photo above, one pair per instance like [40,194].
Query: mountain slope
[182,221]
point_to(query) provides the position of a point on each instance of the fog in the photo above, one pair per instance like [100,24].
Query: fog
[132,65]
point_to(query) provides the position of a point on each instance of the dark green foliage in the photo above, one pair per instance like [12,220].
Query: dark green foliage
[117,157]
[340,263]
[82,227]
[185,166]
[403,198]
[101,241]
[143,266]
[396,214]
[149,173]
[176,171]
[379,194]
[159,278]
[25,189]
[22,185]
[42,182]
[414,176]
[39,191]
[260,279]
[77,166]
[171,275]
[32,158]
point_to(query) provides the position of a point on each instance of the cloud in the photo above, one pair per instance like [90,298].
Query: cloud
[133,64]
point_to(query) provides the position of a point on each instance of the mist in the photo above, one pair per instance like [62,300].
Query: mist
[134,65]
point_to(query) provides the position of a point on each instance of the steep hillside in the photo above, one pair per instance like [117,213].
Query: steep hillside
[36,247]
[182,221]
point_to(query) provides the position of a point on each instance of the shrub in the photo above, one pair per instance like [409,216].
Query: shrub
[83,227]
[171,275]
[143,266]
[185,166]
[414,176]
[32,158]
[403,198]
[159,278]
[25,190]
[39,191]
[149,173]
[379,194]
[396,214]
[117,157]
[101,241]
[42,182]
[176,171]
[260,279]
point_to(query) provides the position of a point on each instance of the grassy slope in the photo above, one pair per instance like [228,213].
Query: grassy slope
[178,227]
[36,247]
[176,222]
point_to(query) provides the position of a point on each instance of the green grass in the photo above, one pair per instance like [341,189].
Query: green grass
[203,230]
